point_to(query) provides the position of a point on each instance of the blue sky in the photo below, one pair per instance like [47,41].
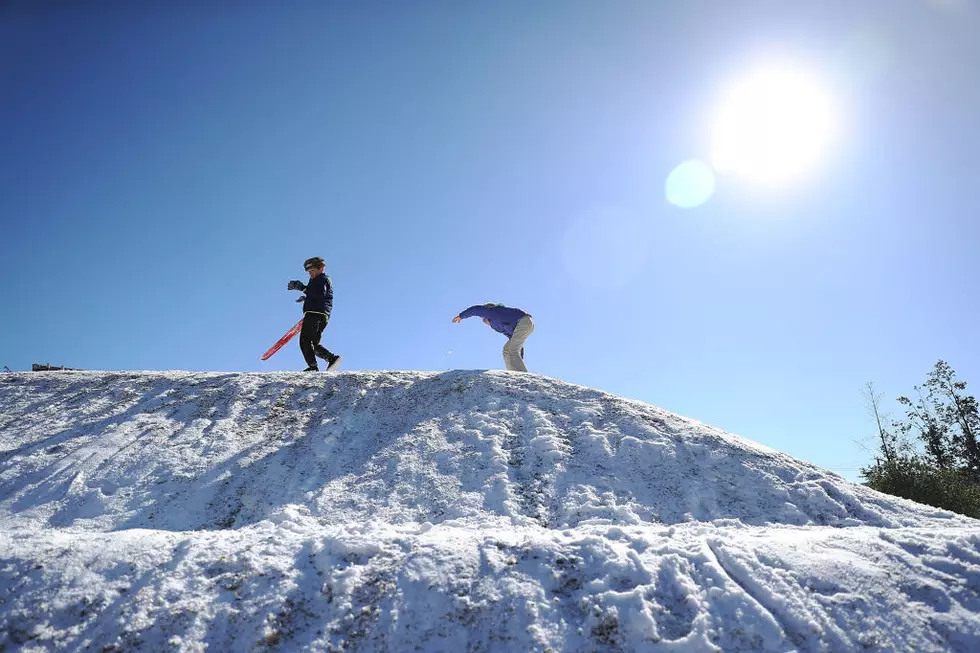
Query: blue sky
[165,169]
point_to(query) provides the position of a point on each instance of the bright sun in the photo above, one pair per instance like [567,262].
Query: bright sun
[773,125]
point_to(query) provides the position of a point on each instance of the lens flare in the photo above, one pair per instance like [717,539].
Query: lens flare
[690,184]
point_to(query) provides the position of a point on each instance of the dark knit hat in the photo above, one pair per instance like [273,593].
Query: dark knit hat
[315,262]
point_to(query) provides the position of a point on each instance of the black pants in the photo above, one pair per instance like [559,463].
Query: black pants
[309,338]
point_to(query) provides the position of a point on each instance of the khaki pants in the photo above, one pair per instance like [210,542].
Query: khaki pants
[514,349]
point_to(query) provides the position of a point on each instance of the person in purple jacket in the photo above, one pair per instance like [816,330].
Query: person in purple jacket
[512,322]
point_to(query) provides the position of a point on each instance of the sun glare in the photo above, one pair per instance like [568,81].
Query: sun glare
[773,125]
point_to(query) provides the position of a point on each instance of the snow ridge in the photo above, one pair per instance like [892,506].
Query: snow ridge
[456,511]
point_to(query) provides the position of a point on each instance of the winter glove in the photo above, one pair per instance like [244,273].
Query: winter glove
[295,285]
[302,298]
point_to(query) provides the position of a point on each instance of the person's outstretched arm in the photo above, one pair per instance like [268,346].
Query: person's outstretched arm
[478,311]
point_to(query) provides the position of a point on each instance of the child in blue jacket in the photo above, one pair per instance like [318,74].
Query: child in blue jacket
[317,304]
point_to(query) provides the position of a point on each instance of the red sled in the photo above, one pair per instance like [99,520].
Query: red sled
[282,341]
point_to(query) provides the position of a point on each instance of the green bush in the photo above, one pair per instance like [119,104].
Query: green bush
[913,478]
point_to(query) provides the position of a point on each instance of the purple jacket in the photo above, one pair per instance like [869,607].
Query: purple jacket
[502,318]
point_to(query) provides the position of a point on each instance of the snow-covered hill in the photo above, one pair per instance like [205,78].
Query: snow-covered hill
[458,511]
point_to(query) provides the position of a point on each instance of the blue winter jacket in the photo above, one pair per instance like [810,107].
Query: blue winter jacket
[502,318]
[319,295]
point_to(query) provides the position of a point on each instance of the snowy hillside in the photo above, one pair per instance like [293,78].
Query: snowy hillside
[458,511]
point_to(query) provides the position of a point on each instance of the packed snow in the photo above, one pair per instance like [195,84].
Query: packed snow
[456,511]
